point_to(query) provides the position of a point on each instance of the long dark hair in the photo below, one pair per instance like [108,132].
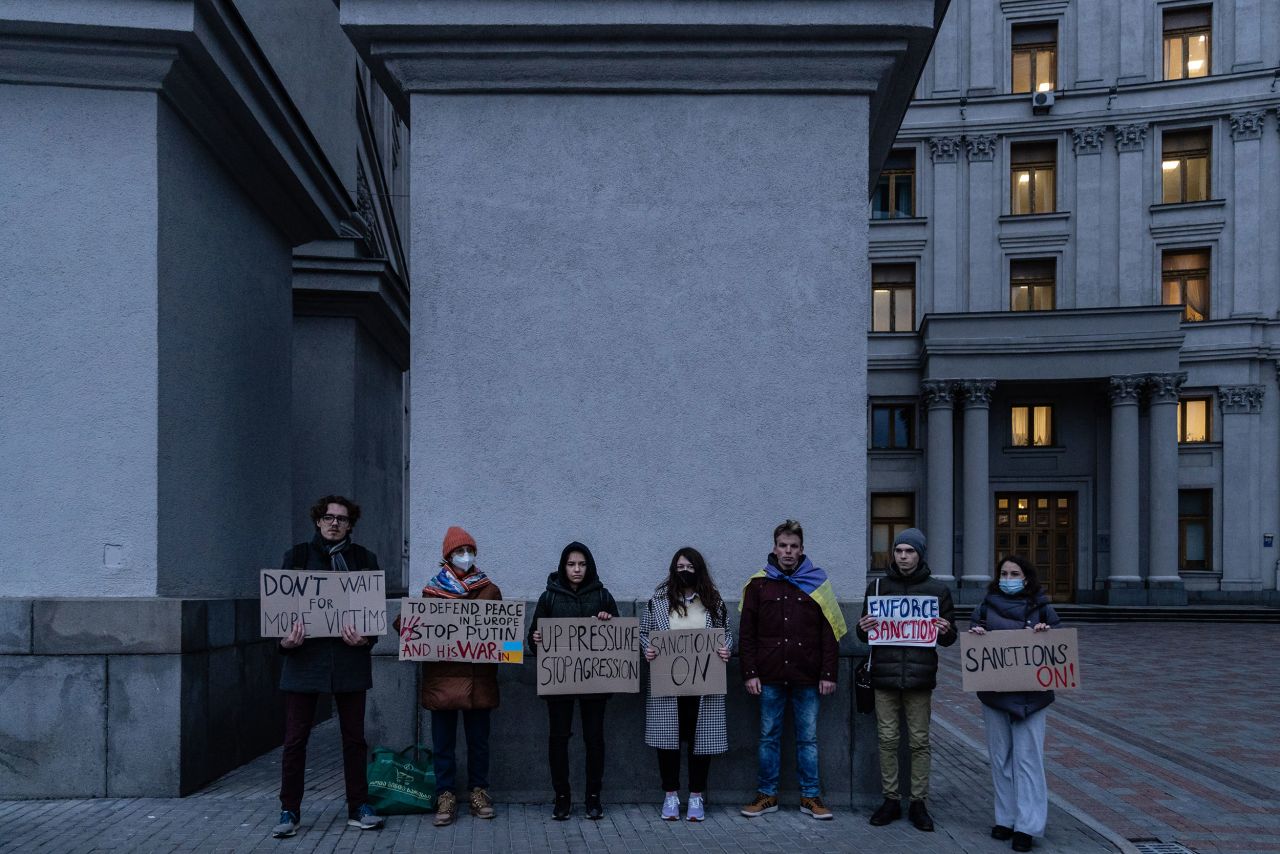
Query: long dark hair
[703,585]
[1030,587]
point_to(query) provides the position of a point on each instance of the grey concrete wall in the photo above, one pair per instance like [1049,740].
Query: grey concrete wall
[225,314]
[636,324]
[78,314]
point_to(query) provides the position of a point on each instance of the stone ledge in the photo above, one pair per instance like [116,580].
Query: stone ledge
[121,626]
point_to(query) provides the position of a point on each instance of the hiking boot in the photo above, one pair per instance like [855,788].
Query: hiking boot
[446,809]
[562,808]
[595,810]
[287,827]
[816,808]
[696,810]
[364,818]
[890,810]
[671,807]
[481,804]
[761,805]
[919,816]
[1021,841]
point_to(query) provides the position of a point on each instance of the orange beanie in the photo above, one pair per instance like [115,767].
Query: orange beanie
[456,538]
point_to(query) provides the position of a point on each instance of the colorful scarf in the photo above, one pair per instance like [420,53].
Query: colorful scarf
[813,582]
[447,584]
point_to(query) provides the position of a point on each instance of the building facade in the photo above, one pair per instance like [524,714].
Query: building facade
[1075,300]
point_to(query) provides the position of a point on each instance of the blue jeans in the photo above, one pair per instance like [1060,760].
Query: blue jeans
[444,742]
[804,707]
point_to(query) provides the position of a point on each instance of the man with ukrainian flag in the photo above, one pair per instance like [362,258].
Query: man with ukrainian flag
[788,642]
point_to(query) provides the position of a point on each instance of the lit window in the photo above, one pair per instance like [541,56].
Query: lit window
[893,297]
[892,426]
[1031,285]
[891,514]
[1035,57]
[1184,280]
[1187,40]
[1195,526]
[1193,420]
[1031,177]
[896,191]
[1184,166]
[1031,426]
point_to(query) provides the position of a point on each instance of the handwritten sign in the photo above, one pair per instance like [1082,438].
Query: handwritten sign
[583,655]
[688,663]
[1020,660]
[903,620]
[489,631]
[323,602]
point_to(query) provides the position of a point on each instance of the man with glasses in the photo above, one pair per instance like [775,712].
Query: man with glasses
[313,666]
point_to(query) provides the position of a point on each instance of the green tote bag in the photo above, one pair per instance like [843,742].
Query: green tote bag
[402,782]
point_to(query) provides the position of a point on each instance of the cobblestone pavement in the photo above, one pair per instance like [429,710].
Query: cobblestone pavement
[1172,739]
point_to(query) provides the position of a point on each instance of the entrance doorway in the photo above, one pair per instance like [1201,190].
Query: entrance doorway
[1041,527]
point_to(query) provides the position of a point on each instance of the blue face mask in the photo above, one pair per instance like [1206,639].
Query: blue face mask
[1011,586]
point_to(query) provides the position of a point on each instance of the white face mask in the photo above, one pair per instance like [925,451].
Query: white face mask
[463,560]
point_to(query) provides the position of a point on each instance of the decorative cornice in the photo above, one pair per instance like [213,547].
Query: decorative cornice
[1088,140]
[938,394]
[1126,389]
[980,148]
[1164,388]
[977,393]
[944,149]
[1241,399]
[1247,125]
[1130,137]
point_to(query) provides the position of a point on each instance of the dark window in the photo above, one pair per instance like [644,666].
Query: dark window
[893,297]
[1195,529]
[1184,166]
[1031,177]
[1193,420]
[1031,426]
[892,425]
[891,514]
[1187,42]
[1035,57]
[896,192]
[1031,284]
[1184,280]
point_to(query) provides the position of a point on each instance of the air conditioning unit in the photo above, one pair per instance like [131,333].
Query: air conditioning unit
[1041,102]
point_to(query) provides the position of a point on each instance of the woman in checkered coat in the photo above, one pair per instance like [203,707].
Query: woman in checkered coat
[686,599]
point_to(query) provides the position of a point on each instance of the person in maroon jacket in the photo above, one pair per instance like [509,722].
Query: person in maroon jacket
[791,625]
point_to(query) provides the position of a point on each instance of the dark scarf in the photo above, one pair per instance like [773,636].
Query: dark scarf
[334,550]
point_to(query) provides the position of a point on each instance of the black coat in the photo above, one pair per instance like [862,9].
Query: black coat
[560,601]
[1001,612]
[910,668]
[327,665]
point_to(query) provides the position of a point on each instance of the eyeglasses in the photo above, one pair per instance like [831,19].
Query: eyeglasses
[335,520]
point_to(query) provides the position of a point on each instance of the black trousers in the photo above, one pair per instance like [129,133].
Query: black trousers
[669,760]
[560,713]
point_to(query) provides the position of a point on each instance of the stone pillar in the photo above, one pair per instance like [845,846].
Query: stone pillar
[1249,293]
[1124,579]
[984,54]
[1242,559]
[940,509]
[949,212]
[1132,32]
[978,558]
[1089,43]
[1132,260]
[1164,584]
[1249,28]
[1086,143]
[984,289]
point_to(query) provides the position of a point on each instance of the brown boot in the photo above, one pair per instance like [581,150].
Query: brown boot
[446,809]
[481,804]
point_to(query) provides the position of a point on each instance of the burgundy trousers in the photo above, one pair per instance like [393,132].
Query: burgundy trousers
[299,714]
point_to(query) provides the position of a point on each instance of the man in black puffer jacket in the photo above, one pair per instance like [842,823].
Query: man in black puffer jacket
[904,678]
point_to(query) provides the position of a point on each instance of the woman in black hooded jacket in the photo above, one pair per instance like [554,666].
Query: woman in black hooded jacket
[574,590]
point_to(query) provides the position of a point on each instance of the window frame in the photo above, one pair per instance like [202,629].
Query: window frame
[1185,521]
[1207,400]
[1181,276]
[1033,284]
[1031,407]
[1034,49]
[893,406]
[1183,34]
[1032,166]
[892,177]
[1182,158]
[873,520]
[895,289]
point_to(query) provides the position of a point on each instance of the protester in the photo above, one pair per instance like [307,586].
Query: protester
[1015,720]
[789,634]
[686,599]
[574,590]
[339,666]
[904,678]
[451,687]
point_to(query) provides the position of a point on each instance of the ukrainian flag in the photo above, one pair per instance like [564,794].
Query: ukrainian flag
[815,584]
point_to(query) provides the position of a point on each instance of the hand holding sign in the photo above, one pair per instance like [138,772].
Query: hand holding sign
[1020,660]
[903,621]
[686,662]
[324,604]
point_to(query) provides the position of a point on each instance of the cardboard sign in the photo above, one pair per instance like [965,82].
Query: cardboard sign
[903,620]
[322,601]
[1020,660]
[489,631]
[584,655]
[688,663]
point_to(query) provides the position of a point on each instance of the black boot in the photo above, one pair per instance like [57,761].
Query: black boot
[919,816]
[595,810]
[1021,841]
[562,808]
[999,831]
[890,810]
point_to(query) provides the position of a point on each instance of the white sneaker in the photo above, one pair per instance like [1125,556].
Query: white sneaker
[671,807]
[696,810]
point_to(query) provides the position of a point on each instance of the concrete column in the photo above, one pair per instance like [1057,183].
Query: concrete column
[985,49]
[1131,40]
[949,211]
[940,508]
[1124,579]
[1248,36]
[1086,143]
[1164,584]
[984,290]
[1132,260]
[978,558]
[1089,41]
[1242,567]
[945,58]
[1246,284]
